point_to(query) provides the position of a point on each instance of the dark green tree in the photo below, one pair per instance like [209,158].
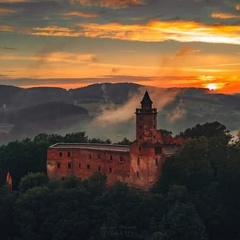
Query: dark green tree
[182,222]
[32,180]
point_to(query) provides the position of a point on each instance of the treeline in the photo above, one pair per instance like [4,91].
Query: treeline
[29,155]
[197,198]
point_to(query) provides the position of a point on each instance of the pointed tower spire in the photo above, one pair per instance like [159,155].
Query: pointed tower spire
[146,101]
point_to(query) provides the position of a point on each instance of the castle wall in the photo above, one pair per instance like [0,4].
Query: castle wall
[82,163]
[146,165]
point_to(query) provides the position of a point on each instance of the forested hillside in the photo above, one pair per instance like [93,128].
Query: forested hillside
[197,196]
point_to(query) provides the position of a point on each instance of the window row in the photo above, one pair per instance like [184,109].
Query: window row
[60,154]
[121,159]
[69,165]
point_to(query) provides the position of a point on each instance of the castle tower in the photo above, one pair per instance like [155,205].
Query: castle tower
[146,121]
[146,151]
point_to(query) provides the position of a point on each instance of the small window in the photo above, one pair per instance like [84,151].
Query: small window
[154,126]
[137,174]
[121,159]
[140,136]
[90,156]
[140,126]
[111,158]
[138,161]
[58,165]
[99,168]
[140,118]
[153,136]
[79,165]
[140,148]
[69,154]
[99,157]
[63,178]
[110,170]
[69,165]
[88,166]
[156,161]
[60,154]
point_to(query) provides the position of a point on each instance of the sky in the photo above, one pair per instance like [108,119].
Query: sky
[162,43]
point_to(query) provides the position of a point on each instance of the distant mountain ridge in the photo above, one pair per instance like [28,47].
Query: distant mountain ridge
[27,112]
[15,97]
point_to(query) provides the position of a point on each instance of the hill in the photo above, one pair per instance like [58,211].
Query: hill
[107,110]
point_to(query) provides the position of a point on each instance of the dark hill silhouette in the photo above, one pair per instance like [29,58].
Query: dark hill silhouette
[45,109]
[47,117]
[117,93]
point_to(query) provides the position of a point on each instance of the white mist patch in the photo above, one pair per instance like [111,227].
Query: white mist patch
[178,113]
[115,115]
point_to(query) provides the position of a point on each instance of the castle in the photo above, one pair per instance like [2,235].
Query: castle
[138,165]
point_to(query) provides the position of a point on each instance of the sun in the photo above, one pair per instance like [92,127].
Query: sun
[212,86]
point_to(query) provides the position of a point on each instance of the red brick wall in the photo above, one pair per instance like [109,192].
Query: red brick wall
[82,163]
[146,165]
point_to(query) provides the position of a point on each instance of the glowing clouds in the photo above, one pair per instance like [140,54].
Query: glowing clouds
[110,3]
[157,31]
[81,14]
[224,15]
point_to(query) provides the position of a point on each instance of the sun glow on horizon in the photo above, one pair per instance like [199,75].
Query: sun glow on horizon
[212,86]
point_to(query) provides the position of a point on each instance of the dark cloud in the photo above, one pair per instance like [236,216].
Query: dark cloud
[36,10]
[9,48]
[110,3]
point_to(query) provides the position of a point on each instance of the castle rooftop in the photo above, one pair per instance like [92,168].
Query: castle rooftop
[92,146]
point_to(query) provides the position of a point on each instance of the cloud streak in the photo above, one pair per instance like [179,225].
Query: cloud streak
[223,15]
[81,14]
[156,31]
[110,3]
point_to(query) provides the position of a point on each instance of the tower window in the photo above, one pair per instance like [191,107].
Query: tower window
[69,165]
[79,165]
[154,126]
[121,159]
[90,156]
[137,174]
[69,154]
[88,166]
[99,157]
[140,148]
[140,127]
[110,170]
[58,165]
[63,178]
[111,158]
[140,136]
[158,150]
[138,161]
[153,136]
[156,161]
[60,154]
[99,168]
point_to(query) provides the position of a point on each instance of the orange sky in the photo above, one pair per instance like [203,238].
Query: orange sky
[75,43]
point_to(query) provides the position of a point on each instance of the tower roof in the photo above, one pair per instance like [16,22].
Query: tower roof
[146,101]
